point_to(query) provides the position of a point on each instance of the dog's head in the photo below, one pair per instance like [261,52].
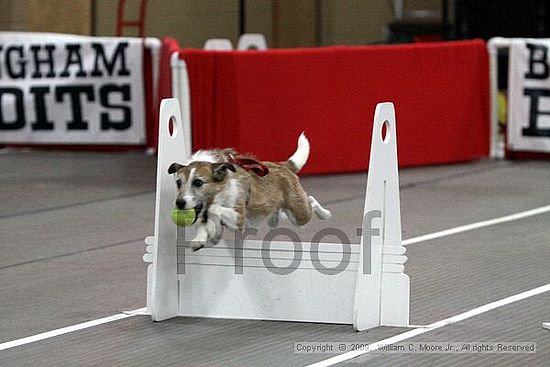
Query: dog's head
[198,183]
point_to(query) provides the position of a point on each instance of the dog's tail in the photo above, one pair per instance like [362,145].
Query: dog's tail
[299,158]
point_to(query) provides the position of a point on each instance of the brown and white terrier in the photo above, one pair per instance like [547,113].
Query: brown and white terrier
[239,192]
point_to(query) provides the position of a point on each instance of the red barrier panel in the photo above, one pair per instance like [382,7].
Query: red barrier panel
[260,101]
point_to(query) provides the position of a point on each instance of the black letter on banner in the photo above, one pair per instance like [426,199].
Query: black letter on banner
[41,122]
[73,58]
[48,60]
[119,51]
[345,246]
[540,61]
[266,251]
[19,121]
[74,91]
[10,63]
[535,95]
[126,121]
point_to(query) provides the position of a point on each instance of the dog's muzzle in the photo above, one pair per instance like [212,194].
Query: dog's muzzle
[180,204]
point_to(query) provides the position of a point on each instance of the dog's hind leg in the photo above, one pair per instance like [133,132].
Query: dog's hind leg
[291,217]
[298,209]
[319,211]
[273,221]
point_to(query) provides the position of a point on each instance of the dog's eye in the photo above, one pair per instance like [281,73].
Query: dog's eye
[197,182]
[178,184]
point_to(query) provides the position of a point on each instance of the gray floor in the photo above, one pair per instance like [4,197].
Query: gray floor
[71,240]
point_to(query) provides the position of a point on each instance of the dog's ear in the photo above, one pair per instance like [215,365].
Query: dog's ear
[174,167]
[219,170]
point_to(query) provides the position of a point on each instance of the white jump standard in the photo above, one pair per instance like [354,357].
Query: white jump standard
[237,281]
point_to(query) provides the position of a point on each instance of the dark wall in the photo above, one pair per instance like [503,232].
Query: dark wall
[505,18]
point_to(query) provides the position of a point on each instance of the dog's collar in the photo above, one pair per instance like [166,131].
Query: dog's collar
[249,164]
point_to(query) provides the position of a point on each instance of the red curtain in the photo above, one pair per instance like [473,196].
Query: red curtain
[260,101]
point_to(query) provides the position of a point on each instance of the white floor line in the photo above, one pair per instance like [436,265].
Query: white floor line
[68,329]
[436,325]
[431,236]
[472,226]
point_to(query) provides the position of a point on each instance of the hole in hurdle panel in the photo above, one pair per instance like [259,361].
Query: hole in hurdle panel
[172,127]
[385,131]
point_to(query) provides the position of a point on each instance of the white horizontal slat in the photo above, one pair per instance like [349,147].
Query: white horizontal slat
[393,268]
[256,245]
[148,258]
[394,259]
[393,250]
[264,295]
[188,254]
[269,263]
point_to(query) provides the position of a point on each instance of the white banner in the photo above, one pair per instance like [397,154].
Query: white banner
[65,89]
[529,95]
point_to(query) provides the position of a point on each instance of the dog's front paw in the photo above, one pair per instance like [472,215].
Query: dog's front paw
[198,242]
[196,246]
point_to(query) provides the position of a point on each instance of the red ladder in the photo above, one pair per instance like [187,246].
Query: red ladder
[139,23]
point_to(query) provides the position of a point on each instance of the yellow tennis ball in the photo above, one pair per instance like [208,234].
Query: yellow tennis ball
[184,217]
[502,107]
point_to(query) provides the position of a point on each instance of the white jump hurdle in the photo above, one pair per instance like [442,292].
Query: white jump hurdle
[208,283]
[218,44]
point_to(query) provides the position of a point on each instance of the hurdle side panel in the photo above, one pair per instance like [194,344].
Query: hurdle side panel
[163,287]
[382,288]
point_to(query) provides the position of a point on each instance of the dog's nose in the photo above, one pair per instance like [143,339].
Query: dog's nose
[180,203]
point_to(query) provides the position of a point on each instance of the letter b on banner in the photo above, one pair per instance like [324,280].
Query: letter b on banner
[538,66]
[528,126]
